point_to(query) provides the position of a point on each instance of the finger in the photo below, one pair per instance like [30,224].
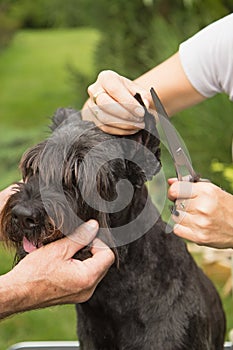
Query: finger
[194,222]
[81,237]
[101,260]
[5,194]
[121,123]
[195,235]
[115,109]
[109,105]
[183,205]
[90,115]
[184,226]
[185,232]
[110,129]
[196,206]
[181,189]
[172,180]
[99,246]
[180,217]
[120,89]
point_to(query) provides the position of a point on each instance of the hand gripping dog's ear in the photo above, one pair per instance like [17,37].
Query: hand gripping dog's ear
[142,151]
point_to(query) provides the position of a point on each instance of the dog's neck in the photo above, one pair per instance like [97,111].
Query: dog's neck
[131,211]
[134,220]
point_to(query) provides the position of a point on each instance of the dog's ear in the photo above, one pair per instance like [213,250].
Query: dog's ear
[30,160]
[142,151]
[62,114]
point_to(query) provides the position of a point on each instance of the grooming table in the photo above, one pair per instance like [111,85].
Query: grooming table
[46,345]
[64,345]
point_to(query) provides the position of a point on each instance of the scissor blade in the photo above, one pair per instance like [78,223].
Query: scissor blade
[168,129]
[180,158]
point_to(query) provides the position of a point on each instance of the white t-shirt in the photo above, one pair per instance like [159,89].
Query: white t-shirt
[207,58]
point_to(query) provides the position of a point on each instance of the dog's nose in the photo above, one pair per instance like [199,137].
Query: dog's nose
[24,217]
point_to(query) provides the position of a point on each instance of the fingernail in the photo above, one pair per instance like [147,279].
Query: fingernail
[173,210]
[139,111]
[92,224]
[146,102]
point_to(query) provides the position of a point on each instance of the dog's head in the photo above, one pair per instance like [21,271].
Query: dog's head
[76,174]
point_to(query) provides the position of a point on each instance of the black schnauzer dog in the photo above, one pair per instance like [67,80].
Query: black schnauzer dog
[155,297]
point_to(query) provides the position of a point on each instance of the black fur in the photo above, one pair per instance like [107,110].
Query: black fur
[157,298]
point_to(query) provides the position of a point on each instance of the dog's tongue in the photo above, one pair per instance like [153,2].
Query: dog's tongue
[28,246]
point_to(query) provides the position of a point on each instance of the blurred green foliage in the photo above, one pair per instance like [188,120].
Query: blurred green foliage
[52,13]
[137,35]
[44,69]
[35,81]
[225,169]
[8,24]
[207,132]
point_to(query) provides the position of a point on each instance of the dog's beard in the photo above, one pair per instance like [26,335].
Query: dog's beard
[24,221]
[35,216]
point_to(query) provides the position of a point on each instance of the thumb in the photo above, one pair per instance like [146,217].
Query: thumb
[80,237]
[172,180]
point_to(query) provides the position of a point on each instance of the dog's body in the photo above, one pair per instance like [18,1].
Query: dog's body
[157,298]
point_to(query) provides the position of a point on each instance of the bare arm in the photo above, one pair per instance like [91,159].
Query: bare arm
[171,84]
[49,276]
[207,61]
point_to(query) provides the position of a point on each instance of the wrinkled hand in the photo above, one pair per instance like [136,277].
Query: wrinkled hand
[112,106]
[205,213]
[50,276]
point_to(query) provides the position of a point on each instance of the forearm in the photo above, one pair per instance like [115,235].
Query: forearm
[171,84]
[14,297]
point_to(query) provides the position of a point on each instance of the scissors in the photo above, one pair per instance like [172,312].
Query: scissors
[182,163]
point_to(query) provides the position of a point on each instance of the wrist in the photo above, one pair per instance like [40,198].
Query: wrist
[17,295]
[227,200]
[13,295]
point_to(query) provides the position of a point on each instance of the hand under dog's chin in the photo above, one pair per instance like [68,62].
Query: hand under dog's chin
[29,247]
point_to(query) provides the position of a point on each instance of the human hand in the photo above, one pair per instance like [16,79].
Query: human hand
[112,106]
[205,213]
[4,195]
[50,276]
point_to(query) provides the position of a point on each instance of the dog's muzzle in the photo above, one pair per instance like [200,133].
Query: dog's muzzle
[24,217]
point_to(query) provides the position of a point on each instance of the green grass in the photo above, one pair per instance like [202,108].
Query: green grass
[35,81]
[34,74]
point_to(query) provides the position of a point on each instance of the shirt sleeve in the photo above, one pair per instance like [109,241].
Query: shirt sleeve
[207,58]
